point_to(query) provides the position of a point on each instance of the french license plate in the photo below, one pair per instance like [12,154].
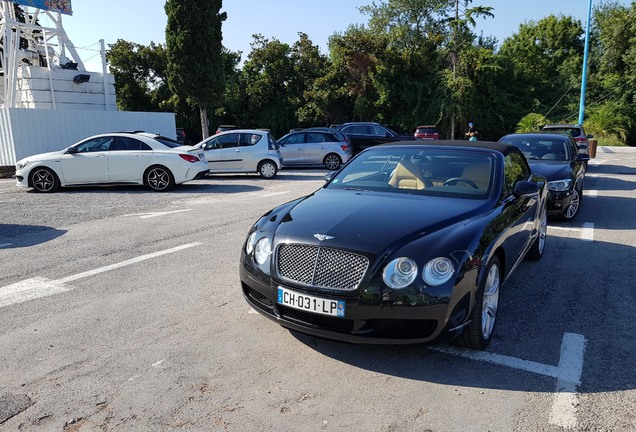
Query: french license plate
[311,303]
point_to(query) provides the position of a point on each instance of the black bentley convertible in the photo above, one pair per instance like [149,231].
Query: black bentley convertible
[409,242]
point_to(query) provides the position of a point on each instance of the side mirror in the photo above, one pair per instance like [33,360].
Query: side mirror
[590,136]
[72,150]
[582,157]
[525,188]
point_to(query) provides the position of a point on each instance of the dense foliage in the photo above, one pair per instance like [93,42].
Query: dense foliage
[194,63]
[414,62]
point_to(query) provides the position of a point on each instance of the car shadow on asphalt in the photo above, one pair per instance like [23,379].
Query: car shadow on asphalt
[194,187]
[19,236]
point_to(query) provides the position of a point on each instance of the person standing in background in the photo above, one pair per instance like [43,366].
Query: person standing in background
[471,134]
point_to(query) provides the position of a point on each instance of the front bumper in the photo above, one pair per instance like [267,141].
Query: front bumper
[558,202]
[369,319]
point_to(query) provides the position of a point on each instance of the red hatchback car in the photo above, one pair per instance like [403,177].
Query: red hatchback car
[426,132]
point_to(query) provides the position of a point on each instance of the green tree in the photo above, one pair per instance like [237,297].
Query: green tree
[308,65]
[140,76]
[547,58]
[611,96]
[266,78]
[531,122]
[194,53]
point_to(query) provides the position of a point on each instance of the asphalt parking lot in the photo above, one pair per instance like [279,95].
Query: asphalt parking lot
[121,310]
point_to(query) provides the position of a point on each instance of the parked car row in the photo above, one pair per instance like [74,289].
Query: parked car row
[159,162]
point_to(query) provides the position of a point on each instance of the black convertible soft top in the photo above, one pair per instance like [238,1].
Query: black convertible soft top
[490,145]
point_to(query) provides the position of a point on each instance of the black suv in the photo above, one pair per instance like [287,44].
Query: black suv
[367,134]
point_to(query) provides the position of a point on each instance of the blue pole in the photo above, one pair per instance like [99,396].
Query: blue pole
[585,52]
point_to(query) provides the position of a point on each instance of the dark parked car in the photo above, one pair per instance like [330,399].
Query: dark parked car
[367,134]
[555,156]
[182,137]
[576,131]
[409,242]
[426,132]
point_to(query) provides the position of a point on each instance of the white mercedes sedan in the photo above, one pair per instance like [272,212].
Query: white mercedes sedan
[138,158]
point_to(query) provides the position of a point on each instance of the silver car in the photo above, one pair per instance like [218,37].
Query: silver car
[242,151]
[315,146]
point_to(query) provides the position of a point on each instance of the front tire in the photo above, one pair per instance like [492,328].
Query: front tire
[267,169]
[44,180]
[478,334]
[159,178]
[332,162]
[536,250]
[570,212]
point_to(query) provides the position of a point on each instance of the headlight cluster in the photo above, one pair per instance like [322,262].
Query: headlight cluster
[21,163]
[262,248]
[401,272]
[560,185]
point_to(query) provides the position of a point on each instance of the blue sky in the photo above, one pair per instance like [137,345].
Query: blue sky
[143,21]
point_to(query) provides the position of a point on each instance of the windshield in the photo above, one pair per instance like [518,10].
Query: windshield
[419,170]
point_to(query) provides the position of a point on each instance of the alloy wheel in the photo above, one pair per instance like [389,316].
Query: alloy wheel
[332,162]
[43,180]
[490,301]
[573,208]
[159,179]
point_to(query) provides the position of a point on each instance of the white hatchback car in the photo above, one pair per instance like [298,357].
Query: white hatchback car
[242,150]
[115,158]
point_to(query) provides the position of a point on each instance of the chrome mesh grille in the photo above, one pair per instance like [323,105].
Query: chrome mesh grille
[320,267]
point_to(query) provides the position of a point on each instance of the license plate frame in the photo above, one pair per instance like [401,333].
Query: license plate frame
[310,303]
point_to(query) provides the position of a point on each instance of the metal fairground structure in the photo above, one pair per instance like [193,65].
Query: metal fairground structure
[39,65]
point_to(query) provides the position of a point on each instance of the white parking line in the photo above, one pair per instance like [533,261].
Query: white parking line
[587,232]
[276,193]
[591,193]
[568,374]
[156,214]
[38,287]
[566,398]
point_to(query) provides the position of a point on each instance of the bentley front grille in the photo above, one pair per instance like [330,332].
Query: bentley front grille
[320,267]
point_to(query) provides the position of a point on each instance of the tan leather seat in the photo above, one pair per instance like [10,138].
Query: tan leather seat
[407,176]
[479,173]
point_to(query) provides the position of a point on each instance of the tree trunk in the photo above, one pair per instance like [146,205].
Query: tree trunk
[205,132]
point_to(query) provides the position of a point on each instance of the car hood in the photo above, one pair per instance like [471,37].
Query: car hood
[551,170]
[370,222]
[45,156]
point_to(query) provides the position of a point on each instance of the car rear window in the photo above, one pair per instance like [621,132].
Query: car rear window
[428,130]
[575,132]
[167,142]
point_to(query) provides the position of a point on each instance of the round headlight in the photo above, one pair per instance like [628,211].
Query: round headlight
[399,273]
[262,250]
[251,240]
[438,271]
